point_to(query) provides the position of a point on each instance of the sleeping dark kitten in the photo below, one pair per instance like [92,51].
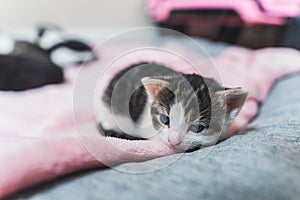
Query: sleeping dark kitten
[28,66]
[25,65]
[151,101]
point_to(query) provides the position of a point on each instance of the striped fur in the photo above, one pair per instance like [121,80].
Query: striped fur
[139,95]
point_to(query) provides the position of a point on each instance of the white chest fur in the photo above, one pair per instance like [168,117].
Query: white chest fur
[113,121]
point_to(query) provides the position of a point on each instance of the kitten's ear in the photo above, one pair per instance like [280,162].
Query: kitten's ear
[234,100]
[153,85]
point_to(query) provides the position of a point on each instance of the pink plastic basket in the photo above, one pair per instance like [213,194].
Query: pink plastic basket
[272,12]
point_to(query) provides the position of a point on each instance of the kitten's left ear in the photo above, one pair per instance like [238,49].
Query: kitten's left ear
[153,85]
[234,100]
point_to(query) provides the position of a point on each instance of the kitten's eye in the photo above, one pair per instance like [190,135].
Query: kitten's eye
[197,128]
[164,119]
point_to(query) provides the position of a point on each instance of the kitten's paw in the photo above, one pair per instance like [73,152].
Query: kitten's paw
[107,125]
[105,117]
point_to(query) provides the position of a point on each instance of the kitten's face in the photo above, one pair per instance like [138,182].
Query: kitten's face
[189,112]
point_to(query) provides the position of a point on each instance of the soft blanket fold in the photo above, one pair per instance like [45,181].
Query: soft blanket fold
[38,139]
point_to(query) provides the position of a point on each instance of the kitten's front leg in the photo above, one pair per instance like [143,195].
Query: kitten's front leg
[105,118]
[108,126]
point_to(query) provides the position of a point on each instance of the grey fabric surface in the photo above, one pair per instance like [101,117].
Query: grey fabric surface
[262,163]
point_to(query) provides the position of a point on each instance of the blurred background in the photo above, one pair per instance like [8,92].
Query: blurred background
[251,23]
[17,14]
[80,16]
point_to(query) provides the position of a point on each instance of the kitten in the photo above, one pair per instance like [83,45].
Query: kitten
[27,66]
[151,101]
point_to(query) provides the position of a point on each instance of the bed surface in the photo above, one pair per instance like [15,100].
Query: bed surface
[263,162]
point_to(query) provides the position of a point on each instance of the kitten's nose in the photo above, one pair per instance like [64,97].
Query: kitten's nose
[174,141]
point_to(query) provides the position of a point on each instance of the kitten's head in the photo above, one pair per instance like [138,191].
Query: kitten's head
[189,111]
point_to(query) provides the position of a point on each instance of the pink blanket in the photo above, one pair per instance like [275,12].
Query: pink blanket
[38,139]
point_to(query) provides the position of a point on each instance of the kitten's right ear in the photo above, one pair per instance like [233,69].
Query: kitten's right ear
[153,85]
[234,99]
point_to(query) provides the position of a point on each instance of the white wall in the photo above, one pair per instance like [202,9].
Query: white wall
[73,14]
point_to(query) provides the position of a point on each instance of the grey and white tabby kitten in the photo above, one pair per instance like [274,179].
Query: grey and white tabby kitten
[151,101]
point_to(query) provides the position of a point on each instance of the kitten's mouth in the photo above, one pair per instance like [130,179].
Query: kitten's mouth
[178,148]
[182,148]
